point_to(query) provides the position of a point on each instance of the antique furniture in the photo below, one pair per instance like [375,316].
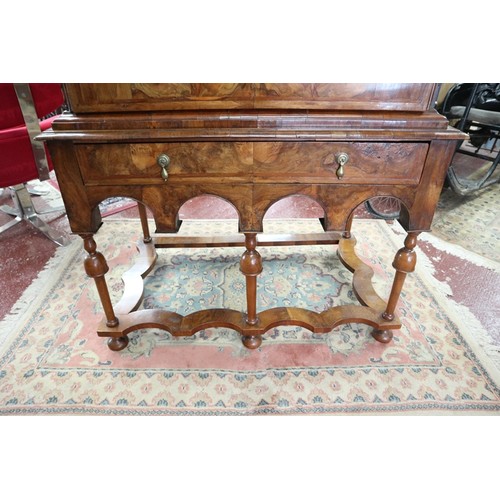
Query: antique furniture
[23,115]
[251,144]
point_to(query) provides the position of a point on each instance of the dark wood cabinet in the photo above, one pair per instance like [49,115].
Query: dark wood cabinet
[251,144]
[113,97]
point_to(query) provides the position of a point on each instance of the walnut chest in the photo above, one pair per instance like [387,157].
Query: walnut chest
[251,144]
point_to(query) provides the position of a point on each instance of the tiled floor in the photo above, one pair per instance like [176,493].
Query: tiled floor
[25,251]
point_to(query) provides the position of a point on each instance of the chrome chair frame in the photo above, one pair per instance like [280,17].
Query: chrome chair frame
[24,209]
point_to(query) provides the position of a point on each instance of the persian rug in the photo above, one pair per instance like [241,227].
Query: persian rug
[52,362]
[458,217]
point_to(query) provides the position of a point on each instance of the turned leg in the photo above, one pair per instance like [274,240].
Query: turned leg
[251,267]
[347,231]
[96,267]
[404,263]
[144,222]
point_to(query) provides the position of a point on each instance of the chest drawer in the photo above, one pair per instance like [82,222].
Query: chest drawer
[137,162]
[253,162]
[314,162]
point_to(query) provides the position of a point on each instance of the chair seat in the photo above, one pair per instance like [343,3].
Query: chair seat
[47,98]
[481,116]
[16,161]
[22,106]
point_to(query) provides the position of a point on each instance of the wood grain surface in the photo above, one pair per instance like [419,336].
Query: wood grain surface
[251,145]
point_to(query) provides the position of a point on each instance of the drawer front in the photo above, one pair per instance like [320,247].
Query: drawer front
[310,162]
[189,162]
[258,162]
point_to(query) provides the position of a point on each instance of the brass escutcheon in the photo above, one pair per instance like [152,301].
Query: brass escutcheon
[342,159]
[163,161]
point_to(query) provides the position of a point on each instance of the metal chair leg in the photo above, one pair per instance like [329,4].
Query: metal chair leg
[25,210]
[467,186]
[41,189]
[34,191]
[10,224]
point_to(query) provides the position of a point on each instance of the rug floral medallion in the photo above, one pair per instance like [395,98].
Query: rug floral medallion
[52,361]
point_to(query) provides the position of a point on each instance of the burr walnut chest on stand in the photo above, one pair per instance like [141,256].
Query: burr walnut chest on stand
[252,145]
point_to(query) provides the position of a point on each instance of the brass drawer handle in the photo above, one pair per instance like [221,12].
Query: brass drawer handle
[163,161]
[342,159]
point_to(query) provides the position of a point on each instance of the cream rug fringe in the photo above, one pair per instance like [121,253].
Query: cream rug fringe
[38,290]
[476,334]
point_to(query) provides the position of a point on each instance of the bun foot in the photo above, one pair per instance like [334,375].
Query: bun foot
[383,336]
[118,343]
[252,341]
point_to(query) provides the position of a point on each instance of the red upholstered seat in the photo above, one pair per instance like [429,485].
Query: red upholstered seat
[18,164]
[47,98]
